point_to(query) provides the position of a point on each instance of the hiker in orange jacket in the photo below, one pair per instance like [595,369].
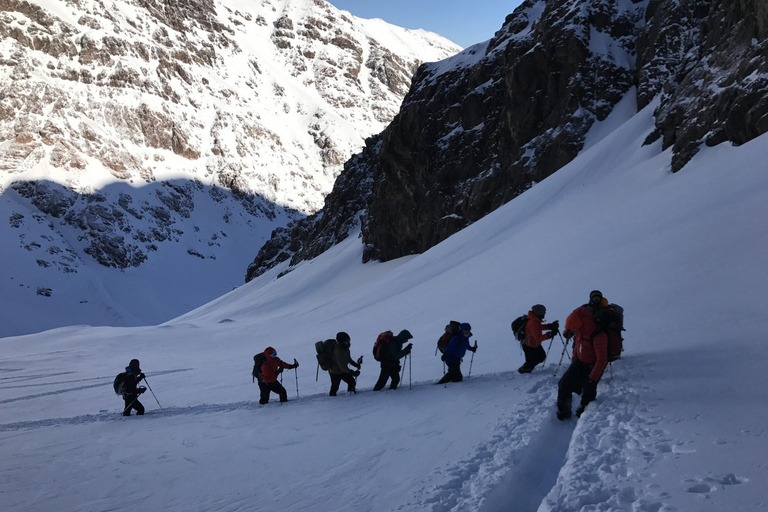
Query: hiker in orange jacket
[590,356]
[272,367]
[535,336]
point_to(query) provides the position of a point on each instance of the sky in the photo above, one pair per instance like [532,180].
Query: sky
[678,424]
[465,22]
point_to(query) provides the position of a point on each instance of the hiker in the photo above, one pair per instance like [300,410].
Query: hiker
[534,336]
[272,367]
[131,390]
[389,356]
[340,361]
[455,351]
[590,355]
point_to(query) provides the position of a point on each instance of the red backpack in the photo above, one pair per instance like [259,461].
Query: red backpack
[442,343]
[382,341]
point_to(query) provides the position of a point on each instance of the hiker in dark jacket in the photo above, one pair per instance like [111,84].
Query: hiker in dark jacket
[131,389]
[272,367]
[534,337]
[454,352]
[590,355]
[391,354]
[339,370]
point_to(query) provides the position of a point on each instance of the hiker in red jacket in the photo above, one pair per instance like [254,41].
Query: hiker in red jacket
[590,355]
[535,336]
[270,369]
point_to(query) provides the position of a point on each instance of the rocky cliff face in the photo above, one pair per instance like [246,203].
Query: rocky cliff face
[479,128]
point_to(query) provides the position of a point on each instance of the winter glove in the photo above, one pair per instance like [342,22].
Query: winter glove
[140,390]
[295,363]
[442,357]
[473,349]
[408,348]
[356,373]
[555,326]
[590,391]
[551,334]
[141,376]
[568,334]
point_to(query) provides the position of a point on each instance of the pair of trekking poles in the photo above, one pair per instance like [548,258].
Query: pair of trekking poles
[137,397]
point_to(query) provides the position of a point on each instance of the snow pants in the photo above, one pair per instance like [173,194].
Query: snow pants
[453,374]
[131,403]
[533,356]
[336,379]
[388,371]
[267,387]
[575,380]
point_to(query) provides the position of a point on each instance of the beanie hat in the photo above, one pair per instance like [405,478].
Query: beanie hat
[342,337]
[465,327]
[594,293]
[539,310]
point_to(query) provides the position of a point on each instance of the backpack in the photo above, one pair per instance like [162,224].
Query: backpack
[518,327]
[615,339]
[382,340]
[324,351]
[442,343]
[258,361]
[118,384]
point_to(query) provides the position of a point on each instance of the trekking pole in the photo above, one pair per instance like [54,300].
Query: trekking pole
[317,373]
[565,346]
[403,374]
[296,371]
[544,363]
[472,360]
[153,393]
[410,373]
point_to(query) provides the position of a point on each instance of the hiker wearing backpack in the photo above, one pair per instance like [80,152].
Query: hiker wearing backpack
[390,350]
[535,336]
[455,351]
[131,390]
[590,356]
[339,364]
[271,368]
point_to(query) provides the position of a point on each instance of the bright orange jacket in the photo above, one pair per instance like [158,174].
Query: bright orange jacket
[272,366]
[589,347]
[534,331]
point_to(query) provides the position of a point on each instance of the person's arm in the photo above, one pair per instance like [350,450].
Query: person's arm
[600,344]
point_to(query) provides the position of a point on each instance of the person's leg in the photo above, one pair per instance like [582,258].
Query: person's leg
[128,399]
[263,393]
[335,382]
[383,376]
[454,370]
[539,355]
[280,390]
[139,408]
[350,380]
[394,372]
[528,364]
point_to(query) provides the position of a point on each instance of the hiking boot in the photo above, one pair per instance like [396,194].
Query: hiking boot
[563,415]
[579,411]
[524,369]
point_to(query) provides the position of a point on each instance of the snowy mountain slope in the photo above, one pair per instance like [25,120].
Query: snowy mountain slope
[142,135]
[678,424]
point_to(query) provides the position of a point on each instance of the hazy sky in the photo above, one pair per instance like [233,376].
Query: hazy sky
[465,22]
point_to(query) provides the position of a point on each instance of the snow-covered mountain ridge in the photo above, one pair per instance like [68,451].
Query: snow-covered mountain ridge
[481,127]
[151,135]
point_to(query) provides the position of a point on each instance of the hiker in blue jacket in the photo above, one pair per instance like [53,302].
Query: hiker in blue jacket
[455,351]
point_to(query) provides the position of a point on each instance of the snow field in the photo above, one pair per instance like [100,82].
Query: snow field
[678,425]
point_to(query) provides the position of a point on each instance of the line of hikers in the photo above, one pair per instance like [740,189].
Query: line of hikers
[595,328]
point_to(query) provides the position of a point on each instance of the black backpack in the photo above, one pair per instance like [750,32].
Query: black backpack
[324,351]
[118,384]
[258,360]
[518,327]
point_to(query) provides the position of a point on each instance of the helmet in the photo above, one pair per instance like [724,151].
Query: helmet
[539,310]
[342,337]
